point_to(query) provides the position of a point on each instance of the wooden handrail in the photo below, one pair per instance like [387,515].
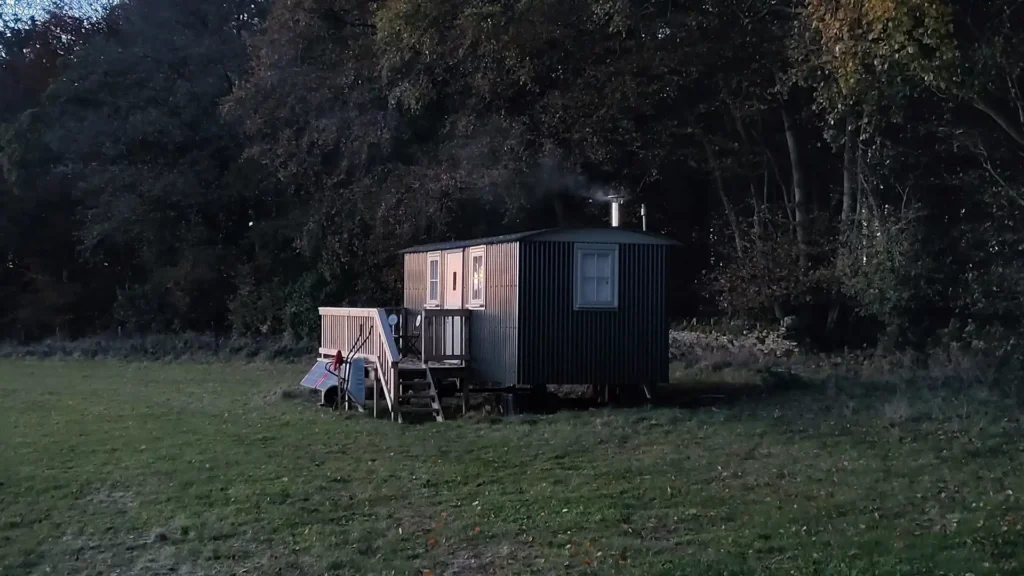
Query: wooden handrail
[379,347]
[390,353]
[442,340]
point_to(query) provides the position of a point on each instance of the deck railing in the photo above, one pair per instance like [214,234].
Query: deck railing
[340,329]
[444,335]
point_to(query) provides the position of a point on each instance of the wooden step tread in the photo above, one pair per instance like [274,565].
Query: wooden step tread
[410,370]
[417,410]
[416,396]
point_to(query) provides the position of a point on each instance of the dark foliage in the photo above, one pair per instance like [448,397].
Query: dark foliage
[228,166]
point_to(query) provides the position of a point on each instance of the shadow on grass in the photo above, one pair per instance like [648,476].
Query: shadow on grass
[688,389]
[726,388]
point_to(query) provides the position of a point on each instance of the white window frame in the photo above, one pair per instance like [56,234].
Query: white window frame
[481,253]
[434,302]
[580,250]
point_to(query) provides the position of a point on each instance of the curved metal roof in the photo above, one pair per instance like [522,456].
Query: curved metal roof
[609,235]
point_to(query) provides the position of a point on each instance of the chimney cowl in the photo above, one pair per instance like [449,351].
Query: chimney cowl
[616,202]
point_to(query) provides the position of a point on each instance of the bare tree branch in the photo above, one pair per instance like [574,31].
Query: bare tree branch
[1013,131]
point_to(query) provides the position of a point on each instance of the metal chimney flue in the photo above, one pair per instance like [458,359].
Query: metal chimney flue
[616,202]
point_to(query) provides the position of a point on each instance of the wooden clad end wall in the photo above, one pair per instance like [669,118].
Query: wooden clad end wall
[494,328]
[624,348]
[415,286]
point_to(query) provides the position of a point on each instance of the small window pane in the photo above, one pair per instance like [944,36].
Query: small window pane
[596,277]
[589,290]
[433,279]
[478,277]
[604,290]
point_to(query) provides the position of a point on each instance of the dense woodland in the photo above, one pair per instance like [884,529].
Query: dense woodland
[227,166]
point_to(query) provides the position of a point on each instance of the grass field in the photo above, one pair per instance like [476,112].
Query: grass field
[112,468]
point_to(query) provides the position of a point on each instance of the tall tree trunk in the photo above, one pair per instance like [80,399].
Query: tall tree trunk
[782,185]
[861,222]
[780,313]
[849,176]
[846,221]
[799,187]
[720,184]
[759,204]
[764,165]
[751,176]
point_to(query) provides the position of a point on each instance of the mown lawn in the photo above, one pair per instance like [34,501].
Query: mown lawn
[111,468]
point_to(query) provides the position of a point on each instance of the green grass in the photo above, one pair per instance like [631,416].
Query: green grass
[116,468]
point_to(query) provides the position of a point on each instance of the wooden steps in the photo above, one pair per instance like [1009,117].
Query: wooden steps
[412,369]
[416,394]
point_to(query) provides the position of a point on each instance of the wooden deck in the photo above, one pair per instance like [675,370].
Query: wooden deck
[408,362]
[407,359]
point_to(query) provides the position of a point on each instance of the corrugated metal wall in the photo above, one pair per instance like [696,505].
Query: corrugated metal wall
[494,330]
[560,345]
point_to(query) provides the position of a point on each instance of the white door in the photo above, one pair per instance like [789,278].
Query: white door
[453,280]
[452,300]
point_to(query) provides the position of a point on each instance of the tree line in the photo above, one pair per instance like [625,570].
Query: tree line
[229,165]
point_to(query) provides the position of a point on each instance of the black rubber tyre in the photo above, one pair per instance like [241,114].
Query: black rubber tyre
[330,397]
